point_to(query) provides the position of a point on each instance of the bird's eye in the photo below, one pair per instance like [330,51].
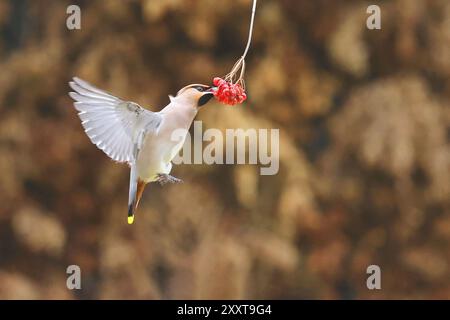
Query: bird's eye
[200,88]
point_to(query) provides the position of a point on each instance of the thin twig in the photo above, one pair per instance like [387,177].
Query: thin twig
[240,64]
[250,31]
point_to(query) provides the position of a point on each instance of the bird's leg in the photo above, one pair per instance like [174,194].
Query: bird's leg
[163,178]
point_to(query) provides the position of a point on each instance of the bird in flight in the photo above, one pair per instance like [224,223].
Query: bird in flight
[128,133]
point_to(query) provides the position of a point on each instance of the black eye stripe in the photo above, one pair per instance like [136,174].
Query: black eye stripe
[200,88]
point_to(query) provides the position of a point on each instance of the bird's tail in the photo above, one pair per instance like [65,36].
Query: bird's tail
[136,188]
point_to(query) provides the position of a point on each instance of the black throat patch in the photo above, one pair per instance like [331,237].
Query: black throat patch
[204,99]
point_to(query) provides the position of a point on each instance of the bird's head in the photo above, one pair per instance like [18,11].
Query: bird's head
[196,94]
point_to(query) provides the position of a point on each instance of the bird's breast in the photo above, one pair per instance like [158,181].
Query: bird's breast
[158,151]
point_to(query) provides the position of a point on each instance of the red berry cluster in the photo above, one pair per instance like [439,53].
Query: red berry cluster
[229,93]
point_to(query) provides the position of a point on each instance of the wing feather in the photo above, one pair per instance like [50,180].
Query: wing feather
[112,124]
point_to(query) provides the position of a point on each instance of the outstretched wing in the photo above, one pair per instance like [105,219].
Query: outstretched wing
[113,125]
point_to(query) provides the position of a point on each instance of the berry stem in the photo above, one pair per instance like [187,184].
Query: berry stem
[250,31]
[240,64]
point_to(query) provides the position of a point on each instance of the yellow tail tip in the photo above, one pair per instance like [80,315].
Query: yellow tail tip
[130,219]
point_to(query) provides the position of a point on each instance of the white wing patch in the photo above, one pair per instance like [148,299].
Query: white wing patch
[113,125]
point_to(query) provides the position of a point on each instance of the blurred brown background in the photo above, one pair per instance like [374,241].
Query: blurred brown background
[364,164]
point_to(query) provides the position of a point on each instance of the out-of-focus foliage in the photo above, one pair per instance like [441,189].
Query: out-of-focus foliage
[364,164]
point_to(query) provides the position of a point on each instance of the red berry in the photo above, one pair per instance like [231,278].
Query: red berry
[228,93]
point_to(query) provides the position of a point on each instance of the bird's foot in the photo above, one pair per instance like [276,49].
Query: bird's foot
[163,178]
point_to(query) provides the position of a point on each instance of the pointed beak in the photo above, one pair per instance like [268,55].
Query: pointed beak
[211,89]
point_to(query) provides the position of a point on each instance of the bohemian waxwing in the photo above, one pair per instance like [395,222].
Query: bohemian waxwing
[126,132]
